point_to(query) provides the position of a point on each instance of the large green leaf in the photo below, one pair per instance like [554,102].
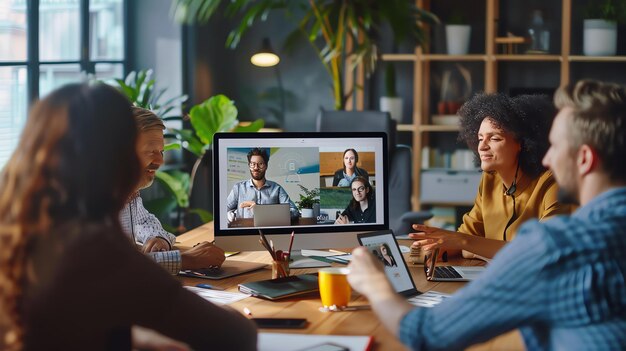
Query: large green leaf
[177,183]
[161,207]
[252,127]
[190,141]
[217,114]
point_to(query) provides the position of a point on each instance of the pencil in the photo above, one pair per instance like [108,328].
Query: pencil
[290,245]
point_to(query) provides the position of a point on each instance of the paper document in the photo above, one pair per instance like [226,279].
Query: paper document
[216,296]
[321,253]
[428,299]
[294,342]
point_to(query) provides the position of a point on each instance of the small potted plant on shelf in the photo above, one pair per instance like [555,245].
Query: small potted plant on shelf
[457,34]
[391,102]
[600,26]
[308,201]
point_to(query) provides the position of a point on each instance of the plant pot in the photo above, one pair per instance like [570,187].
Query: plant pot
[307,212]
[599,38]
[393,105]
[458,38]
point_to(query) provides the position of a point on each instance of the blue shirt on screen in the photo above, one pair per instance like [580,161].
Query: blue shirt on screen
[561,282]
[270,193]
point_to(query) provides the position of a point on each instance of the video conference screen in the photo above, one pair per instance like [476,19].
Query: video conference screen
[300,181]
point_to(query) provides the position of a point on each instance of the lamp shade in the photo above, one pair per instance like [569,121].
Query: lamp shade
[265,57]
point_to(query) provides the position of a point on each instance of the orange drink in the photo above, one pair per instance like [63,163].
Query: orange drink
[334,287]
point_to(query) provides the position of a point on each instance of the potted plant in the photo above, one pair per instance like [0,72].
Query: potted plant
[391,102]
[600,26]
[343,33]
[308,201]
[457,34]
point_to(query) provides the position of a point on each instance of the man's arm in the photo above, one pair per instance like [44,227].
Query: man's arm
[283,198]
[513,291]
[147,226]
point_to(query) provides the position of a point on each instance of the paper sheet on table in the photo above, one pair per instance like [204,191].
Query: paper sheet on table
[321,253]
[216,296]
[291,342]
[299,261]
[428,299]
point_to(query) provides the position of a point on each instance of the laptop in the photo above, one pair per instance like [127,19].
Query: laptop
[449,273]
[396,269]
[276,215]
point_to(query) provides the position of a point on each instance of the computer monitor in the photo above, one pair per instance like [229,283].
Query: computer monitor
[297,160]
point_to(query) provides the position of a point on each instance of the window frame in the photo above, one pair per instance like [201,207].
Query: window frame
[87,65]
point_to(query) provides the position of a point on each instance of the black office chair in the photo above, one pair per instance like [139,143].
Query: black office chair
[400,172]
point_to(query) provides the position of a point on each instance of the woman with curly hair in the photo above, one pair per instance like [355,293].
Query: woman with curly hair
[509,137]
[69,277]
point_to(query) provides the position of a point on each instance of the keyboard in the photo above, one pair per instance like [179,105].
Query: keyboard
[446,272]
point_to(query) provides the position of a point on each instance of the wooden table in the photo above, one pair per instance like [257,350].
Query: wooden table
[362,322]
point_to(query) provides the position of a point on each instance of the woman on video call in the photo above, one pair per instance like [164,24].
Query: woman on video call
[362,207]
[510,137]
[344,176]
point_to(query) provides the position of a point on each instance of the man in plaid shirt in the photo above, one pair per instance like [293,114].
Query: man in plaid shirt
[562,282]
[142,226]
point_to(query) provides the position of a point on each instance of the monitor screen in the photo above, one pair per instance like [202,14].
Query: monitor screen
[311,183]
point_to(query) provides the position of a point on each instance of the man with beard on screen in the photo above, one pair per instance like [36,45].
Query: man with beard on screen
[257,190]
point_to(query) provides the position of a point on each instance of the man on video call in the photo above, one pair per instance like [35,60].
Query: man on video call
[562,282]
[257,190]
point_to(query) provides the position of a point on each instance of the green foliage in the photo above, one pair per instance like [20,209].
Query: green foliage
[309,197]
[177,183]
[457,17]
[139,88]
[328,25]
[217,114]
[609,10]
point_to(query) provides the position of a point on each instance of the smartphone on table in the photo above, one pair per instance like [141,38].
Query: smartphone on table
[280,323]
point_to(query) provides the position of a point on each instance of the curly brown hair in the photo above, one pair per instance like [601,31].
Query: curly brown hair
[76,160]
[527,117]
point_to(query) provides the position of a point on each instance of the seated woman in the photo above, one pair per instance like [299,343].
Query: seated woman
[343,177]
[362,207]
[510,137]
[69,277]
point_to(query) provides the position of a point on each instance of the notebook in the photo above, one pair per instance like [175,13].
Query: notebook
[449,273]
[274,289]
[228,269]
[384,246]
[276,215]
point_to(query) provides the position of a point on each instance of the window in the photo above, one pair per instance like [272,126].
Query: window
[45,44]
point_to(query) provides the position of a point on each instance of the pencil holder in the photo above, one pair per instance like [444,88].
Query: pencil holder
[416,256]
[280,269]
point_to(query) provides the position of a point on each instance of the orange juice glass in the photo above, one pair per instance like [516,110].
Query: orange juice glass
[334,287]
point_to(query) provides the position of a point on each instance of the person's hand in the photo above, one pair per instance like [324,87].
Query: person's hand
[202,255]
[342,219]
[430,238]
[156,244]
[148,339]
[245,204]
[368,277]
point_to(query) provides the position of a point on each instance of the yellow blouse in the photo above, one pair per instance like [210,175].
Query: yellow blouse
[534,198]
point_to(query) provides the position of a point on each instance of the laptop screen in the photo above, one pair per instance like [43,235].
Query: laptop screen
[384,246]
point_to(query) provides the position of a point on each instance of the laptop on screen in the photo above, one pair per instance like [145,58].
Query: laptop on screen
[276,215]
[383,245]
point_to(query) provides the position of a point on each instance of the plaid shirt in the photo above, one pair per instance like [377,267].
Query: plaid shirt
[141,225]
[561,282]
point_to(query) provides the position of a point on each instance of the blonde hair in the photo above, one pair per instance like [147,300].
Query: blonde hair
[146,119]
[598,120]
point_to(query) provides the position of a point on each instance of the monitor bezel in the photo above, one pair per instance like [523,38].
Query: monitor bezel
[252,231]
